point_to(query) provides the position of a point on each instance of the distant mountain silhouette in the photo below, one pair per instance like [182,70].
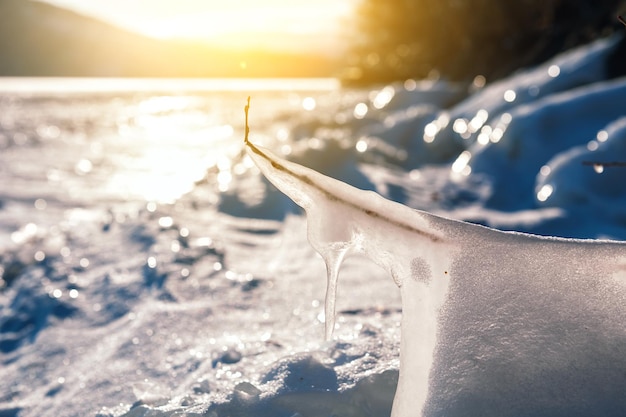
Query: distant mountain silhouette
[38,39]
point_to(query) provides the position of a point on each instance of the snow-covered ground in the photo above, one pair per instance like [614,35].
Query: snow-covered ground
[149,269]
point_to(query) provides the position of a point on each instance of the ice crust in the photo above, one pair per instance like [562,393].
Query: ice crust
[493,323]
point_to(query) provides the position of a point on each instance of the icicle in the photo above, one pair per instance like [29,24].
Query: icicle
[333,260]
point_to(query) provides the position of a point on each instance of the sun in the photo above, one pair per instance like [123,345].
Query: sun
[229,22]
[246,23]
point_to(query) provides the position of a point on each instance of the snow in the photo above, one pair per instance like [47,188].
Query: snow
[546,127]
[148,268]
[482,310]
[600,189]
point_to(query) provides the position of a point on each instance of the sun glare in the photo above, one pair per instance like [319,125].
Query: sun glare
[230,23]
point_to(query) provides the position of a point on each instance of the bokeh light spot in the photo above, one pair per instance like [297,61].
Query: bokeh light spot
[479,81]
[360,110]
[309,103]
[361,146]
[602,136]
[510,96]
[545,192]
[554,71]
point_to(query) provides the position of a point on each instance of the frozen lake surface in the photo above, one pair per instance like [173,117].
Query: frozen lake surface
[148,268]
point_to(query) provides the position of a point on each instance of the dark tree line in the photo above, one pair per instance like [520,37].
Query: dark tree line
[459,39]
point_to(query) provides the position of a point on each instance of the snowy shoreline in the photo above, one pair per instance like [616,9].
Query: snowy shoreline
[145,275]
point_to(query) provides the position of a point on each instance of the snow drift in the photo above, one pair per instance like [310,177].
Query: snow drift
[493,323]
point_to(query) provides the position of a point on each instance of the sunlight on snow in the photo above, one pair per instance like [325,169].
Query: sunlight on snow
[383,97]
[164,173]
[554,71]
[592,145]
[360,110]
[430,130]
[361,146]
[602,136]
[477,121]
[545,192]
[510,96]
[433,128]
[461,165]
[309,103]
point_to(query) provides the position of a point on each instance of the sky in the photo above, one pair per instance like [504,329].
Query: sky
[287,23]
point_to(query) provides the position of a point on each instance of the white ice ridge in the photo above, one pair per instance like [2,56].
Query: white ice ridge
[493,323]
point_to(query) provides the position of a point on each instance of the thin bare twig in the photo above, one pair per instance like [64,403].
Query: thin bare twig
[245,109]
[621,19]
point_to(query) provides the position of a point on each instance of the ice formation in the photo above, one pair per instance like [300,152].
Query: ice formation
[493,323]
